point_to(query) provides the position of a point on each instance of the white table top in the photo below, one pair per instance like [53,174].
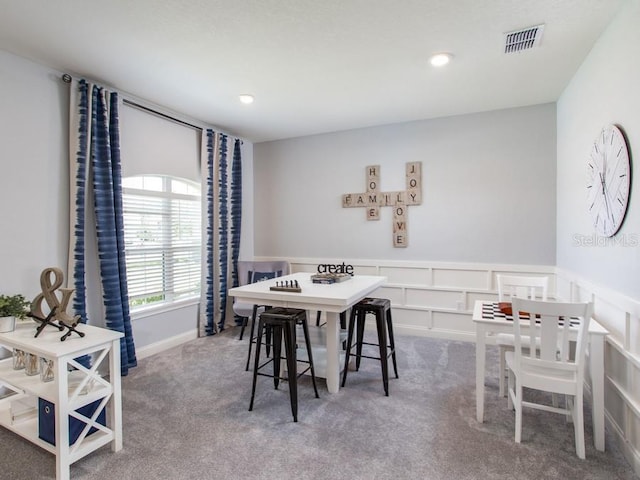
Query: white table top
[48,343]
[335,297]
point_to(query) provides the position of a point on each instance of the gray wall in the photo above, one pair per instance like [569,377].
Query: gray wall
[489,190]
[34,208]
[604,90]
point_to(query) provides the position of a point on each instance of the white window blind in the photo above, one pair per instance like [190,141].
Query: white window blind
[151,144]
[162,239]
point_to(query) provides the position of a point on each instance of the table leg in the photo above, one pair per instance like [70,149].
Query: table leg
[480,365]
[333,352]
[116,397]
[61,420]
[596,367]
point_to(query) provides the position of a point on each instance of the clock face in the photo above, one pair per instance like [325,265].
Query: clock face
[608,181]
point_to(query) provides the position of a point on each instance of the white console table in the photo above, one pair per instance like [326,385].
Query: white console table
[68,391]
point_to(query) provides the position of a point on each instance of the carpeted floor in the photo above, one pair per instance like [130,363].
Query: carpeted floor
[185,417]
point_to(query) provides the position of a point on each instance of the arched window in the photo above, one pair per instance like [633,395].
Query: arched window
[162,239]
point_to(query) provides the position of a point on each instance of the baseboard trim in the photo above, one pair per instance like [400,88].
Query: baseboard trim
[152,349]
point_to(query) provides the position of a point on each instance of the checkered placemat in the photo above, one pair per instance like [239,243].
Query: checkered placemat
[491,310]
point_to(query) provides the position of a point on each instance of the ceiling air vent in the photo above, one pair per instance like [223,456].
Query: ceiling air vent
[523,39]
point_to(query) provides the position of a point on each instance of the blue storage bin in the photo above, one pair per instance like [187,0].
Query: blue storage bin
[47,426]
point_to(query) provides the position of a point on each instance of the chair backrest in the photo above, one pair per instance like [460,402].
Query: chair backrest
[554,320]
[533,288]
[255,271]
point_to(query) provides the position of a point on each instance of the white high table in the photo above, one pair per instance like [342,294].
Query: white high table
[332,299]
[486,327]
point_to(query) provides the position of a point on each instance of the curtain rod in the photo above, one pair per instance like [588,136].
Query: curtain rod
[68,78]
[160,114]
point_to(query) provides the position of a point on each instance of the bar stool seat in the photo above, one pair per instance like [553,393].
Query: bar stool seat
[381,309]
[282,323]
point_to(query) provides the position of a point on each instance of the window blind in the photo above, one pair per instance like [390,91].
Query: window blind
[162,239]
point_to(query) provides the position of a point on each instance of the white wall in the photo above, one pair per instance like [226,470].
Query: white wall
[604,90]
[488,190]
[607,272]
[34,185]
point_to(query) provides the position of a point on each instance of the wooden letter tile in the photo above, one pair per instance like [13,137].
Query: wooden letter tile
[373,178]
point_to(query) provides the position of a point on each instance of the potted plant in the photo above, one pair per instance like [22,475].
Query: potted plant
[12,307]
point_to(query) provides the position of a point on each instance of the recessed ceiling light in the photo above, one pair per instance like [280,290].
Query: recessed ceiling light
[440,59]
[246,98]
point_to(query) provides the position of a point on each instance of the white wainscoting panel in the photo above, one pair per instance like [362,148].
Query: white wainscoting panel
[439,299]
[405,276]
[431,298]
[394,294]
[462,278]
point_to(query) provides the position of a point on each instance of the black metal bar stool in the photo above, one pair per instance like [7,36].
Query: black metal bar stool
[381,308]
[282,322]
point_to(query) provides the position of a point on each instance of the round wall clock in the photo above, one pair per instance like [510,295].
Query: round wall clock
[608,181]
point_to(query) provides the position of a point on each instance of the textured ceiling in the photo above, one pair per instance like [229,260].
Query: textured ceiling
[314,66]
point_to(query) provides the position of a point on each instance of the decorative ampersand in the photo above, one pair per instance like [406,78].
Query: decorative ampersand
[57,308]
[48,294]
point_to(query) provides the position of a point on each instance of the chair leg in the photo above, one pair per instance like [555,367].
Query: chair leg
[360,319]
[568,405]
[268,335]
[511,389]
[503,371]
[518,405]
[578,424]
[251,339]
[343,326]
[256,364]
[307,342]
[352,320]
[292,372]
[276,332]
[382,345]
[392,342]
[343,320]
[318,315]
[245,320]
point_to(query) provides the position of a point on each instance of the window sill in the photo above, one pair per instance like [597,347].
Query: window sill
[158,309]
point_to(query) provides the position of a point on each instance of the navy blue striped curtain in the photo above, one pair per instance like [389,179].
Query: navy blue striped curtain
[236,211]
[96,193]
[222,214]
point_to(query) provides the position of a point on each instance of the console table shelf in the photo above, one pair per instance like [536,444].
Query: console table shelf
[73,387]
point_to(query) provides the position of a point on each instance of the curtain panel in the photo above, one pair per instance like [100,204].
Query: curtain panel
[96,246]
[222,213]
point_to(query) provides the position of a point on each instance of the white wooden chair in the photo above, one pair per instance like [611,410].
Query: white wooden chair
[546,362]
[510,286]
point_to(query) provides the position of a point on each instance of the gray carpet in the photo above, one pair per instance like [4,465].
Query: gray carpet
[185,417]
